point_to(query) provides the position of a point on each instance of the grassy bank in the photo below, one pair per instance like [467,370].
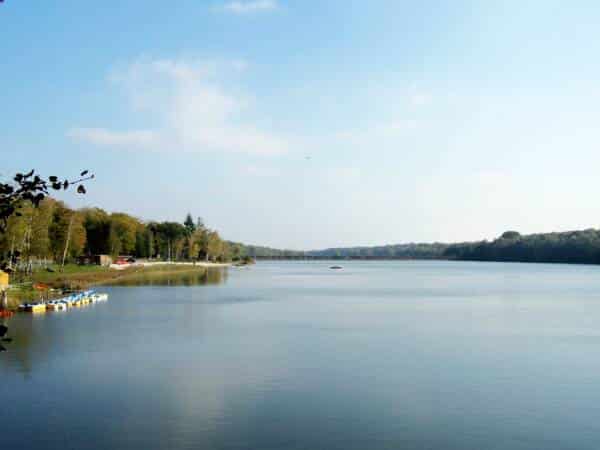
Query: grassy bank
[75,277]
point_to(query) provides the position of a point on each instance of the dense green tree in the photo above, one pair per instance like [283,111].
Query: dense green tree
[122,236]
[510,235]
[170,235]
[189,224]
[215,245]
[39,246]
[66,233]
[144,242]
[97,226]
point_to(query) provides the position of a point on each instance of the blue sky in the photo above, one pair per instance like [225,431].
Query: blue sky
[306,124]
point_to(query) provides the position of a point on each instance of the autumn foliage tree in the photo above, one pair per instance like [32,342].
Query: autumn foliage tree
[18,201]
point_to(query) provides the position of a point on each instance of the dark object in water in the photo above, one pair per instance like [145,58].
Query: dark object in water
[49,269]
[336,267]
[3,330]
[7,340]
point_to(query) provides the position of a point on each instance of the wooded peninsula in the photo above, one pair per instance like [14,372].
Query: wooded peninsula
[54,232]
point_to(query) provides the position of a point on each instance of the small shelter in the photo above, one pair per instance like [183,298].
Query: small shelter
[95,260]
[4,280]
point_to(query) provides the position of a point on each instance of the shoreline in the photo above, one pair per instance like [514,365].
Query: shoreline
[76,278]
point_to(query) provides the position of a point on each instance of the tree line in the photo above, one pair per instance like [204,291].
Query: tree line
[574,247]
[51,231]
[396,251]
[48,230]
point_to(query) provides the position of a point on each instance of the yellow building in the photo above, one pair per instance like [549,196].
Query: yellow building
[3,280]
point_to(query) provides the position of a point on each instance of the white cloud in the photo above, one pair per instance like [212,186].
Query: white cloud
[190,108]
[385,131]
[343,174]
[260,171]
[417,97]
[420,99]
[101,136]
[248,7]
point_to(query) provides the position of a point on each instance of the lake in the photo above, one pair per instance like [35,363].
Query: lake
[293,355]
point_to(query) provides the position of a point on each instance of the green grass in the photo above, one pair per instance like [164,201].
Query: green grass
[70,270]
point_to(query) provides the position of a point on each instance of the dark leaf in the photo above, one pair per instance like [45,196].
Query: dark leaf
[53,179]
[81,189]
[66,184]
[84,173]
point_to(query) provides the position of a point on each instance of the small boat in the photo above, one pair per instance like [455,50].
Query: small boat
[51,305]
[56,305]
[35,307]
[101,297]
[336,267]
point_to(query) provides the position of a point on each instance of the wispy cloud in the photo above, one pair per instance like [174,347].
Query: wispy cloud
[249,7]
[192,110]
[261,171]
[420,99]
[377,132]
[417,97]
[101,136]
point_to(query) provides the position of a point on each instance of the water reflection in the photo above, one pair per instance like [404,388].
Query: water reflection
[35,337]
[191,278]
[29,341]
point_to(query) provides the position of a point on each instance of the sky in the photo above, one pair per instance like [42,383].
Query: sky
[310,124]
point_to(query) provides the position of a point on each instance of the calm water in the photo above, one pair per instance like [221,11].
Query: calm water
[390,355]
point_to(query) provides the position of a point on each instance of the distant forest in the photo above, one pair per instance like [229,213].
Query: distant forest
[579,247]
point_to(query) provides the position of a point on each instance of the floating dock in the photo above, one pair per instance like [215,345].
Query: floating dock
[62,304]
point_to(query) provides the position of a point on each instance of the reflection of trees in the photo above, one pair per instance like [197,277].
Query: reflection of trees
[212,275]
[33,336]
[29,341]
[216,276]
